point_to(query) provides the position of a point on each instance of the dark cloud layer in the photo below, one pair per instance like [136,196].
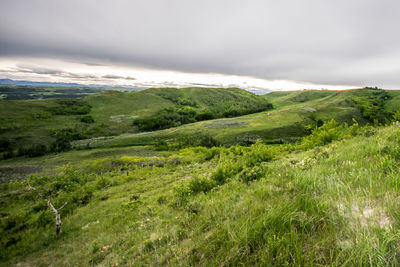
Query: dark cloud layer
[336,42]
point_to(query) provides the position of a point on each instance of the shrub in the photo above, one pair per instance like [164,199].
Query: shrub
[87,119]
[396,115]
[5,144]
[260,153]
[197,185]
[323,135]
[224,171]
[182,192]
[207,140]
[251,174]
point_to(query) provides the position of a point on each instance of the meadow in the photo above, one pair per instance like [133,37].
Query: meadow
[249,190]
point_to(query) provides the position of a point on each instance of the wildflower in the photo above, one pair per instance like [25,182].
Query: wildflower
[106,247]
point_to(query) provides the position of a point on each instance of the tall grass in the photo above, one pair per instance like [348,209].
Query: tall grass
[332,199]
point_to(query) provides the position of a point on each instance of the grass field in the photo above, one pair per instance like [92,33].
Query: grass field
[328,205]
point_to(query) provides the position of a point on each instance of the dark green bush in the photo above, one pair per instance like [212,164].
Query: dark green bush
[70,107]
[5,144]
[87,119]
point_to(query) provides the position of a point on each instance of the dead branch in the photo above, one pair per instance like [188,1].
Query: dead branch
[57,213]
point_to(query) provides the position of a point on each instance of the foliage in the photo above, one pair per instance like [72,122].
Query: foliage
[328,132]
[371,104]
[187,110]
[70,107]
[87,119]
[396,115]
[5,144]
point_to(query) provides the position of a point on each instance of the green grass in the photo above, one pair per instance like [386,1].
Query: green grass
[288,205]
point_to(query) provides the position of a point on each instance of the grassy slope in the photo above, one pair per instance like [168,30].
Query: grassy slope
[112,111]
[335,205]
[20,168]
[285,122]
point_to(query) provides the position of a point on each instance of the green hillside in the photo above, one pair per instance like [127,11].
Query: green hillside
[28,123]
[286,123]
[328,200]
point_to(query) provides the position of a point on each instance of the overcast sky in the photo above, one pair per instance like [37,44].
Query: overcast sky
[311,43]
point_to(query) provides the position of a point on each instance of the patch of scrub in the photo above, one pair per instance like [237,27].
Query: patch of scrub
[121,118]
[222,124]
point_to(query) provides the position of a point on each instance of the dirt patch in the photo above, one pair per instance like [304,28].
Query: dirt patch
[222,124]
[366,216]
[121,118]
[9,173]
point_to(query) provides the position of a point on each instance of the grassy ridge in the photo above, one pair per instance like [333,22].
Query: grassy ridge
[286,123]
[308,204]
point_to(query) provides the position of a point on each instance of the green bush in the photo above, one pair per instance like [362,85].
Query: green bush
[197,185]
[5,144]
[182,193]
[396,115]
[224,171]
[251,174]
[323,135]
[87,119]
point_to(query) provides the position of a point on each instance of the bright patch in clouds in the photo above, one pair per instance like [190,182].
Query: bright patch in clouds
[52,70]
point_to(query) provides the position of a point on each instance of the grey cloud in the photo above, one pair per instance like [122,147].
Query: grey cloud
[38,70]
[112,76]
[310,40]
[26,68]
[79,76]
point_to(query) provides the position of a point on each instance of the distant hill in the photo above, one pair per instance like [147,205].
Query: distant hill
[59,84]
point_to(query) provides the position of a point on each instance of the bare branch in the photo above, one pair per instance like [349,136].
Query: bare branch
[63,206]
[30,187]
[51,207]
[57,213]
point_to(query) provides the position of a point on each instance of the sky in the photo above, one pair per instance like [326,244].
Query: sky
[259,44]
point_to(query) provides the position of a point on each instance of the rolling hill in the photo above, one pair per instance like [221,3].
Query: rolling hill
[293,110]
[25,123]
